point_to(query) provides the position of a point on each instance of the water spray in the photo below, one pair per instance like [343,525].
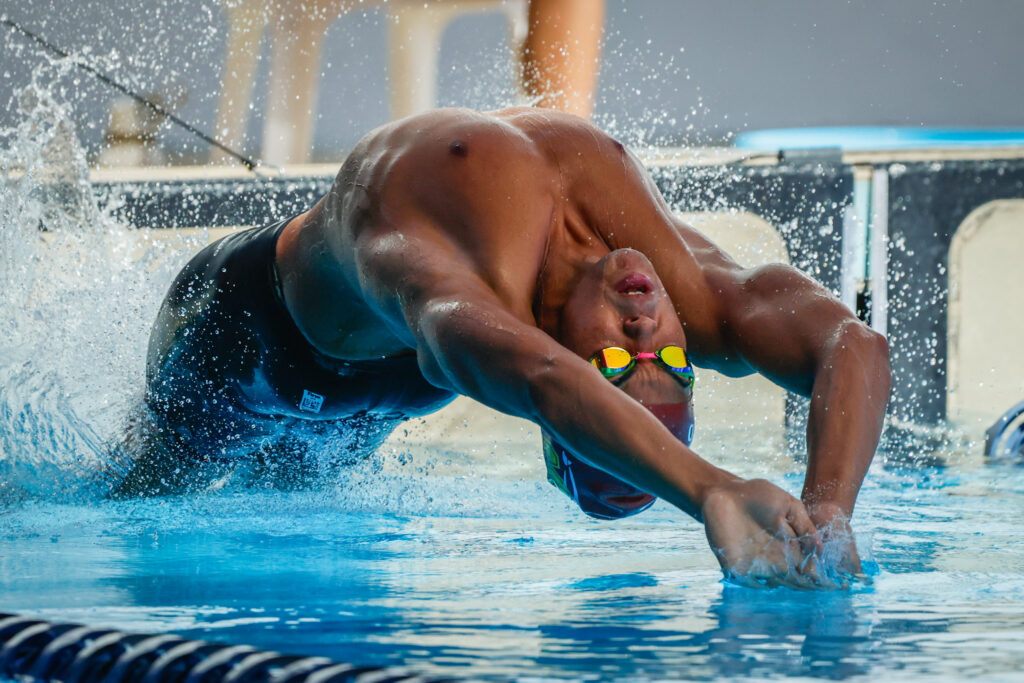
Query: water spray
[156,108]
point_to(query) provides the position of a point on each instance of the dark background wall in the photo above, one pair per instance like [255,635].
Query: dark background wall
[675,71]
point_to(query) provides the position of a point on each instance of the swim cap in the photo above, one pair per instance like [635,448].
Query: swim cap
[598,493]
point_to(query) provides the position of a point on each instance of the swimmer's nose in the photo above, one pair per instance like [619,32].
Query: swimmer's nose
[640,328]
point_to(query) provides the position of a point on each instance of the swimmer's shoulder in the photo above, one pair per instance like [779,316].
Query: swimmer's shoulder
[437,146]
[466,140]
[449,161]
[471,138]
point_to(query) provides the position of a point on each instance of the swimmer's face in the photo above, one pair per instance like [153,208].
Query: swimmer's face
[620,301]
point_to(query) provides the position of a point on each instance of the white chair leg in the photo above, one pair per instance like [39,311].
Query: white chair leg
[414,42]
[291,98]
[246,21]
[518,26]
[295,78]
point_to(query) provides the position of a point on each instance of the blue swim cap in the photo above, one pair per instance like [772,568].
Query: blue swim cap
[598,493]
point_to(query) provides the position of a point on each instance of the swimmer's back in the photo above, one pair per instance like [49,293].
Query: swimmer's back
[471,188]
[511,195]
[486,181]
[491,195]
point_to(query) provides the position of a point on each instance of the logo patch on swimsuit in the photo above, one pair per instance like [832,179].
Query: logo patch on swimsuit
[311,402]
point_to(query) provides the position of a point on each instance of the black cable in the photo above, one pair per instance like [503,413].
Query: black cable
[249,163]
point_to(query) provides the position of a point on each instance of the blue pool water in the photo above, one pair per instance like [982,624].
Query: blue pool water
[513,583]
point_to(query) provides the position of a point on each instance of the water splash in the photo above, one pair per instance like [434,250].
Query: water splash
[829,569]
[81,289]
[76,304]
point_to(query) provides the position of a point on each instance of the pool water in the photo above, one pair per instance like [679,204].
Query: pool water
[490,578]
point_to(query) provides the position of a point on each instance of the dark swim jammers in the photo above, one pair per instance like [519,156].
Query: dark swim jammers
[227,367]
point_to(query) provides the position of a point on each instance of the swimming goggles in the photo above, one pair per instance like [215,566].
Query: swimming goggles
[616,363]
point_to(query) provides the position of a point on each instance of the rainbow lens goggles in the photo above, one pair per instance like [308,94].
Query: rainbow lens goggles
[616,363]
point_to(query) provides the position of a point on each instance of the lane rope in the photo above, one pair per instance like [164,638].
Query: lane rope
[45,652]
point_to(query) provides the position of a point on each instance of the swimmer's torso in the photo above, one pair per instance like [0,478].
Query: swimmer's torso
[280,322]
[518,197]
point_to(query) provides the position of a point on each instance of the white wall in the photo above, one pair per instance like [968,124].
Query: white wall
[986,330]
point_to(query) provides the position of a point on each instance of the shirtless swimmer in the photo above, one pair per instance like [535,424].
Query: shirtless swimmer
[525,259]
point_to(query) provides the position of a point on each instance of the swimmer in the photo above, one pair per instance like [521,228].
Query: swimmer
[525,259]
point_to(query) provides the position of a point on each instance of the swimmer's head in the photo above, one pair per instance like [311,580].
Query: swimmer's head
[619,301]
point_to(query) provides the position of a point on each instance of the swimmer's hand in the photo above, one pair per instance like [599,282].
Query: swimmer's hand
[761,534]
[834,527]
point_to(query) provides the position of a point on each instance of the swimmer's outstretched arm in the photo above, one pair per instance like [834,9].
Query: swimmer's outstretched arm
[780,323]
[773,320]
[468,340]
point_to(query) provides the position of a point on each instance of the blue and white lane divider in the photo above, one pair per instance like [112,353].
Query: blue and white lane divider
[36,650]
